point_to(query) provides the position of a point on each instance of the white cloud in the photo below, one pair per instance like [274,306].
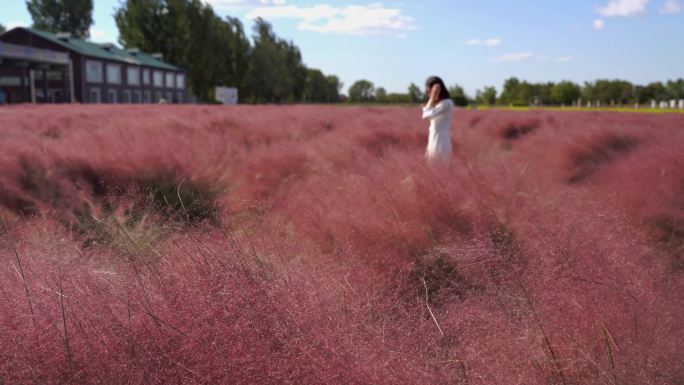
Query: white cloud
[15,24]
[359,20]
[100,35]
[229,4]
[670,8]
[623,8]
[487,42]
[565,59]
[599,24]
[513,57]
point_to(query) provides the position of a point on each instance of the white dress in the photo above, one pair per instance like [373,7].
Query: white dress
[439,139]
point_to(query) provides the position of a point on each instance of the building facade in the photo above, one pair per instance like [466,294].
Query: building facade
[91,73]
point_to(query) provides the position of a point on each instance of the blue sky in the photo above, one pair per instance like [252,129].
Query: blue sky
[472,43]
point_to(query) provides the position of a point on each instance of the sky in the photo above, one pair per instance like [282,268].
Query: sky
[473,43]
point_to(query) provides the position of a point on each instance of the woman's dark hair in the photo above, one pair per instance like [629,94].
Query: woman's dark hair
[432,80]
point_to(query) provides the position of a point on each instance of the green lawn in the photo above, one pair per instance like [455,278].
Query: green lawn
[613,109]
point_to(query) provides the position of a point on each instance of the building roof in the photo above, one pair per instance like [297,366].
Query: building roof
[99,51]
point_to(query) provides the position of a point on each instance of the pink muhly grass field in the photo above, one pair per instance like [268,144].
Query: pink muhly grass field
[313,245]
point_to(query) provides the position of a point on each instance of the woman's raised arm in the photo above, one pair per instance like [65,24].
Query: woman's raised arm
[441,107]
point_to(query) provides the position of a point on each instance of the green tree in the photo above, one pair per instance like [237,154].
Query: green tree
[458,95]
[276,71]
[675,88]
[510,90]
[189,34]
[565,92]
[380,95]
[361,91]
[73,16]
[333,87]
[415,94]
[2,28]
[487,96]
[612,91]
[315,87]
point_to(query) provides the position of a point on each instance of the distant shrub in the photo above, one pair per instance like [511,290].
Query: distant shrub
[187,201]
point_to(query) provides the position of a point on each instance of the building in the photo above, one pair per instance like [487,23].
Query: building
[41,67]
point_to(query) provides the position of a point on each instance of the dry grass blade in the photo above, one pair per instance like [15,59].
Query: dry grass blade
[21,270]
[427,304]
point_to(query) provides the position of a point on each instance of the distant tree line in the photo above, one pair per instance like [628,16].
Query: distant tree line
[606,92]
[2,28]
[523,93]
[216,51]
[364,91]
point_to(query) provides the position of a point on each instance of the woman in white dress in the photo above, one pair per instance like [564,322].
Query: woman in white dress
[439,110]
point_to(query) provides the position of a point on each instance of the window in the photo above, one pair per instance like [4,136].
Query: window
[136,97]
[93,71]
[147,97]
[158,79]
[113,73]
[146,77]
[133,76]
[170,78]
[169,97]
[157,96]
[95,95]
[111,96]
[126,97]
[180,81]
[179,97]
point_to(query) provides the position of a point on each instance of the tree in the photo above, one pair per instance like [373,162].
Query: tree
[361,91]
[458,95]
[565,93]
[334,86]
[73,16]
[510,91]
[380,95]
[415,94]
[675,89]
[316,87]
[487,96]
[189,34]
[611,91]
[277,73]
[2,28]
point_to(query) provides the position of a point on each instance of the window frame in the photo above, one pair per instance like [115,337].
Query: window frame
[97,91]
[129,78]
[88,74]
[158,75]
[113,66]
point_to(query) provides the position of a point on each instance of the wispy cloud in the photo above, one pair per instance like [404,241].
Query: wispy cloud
[599,24]
[359,20]
[101,35]
[623,8]
[565,59]
[487,42]
[670,8]
[231,4]
[512,57]
[15,24]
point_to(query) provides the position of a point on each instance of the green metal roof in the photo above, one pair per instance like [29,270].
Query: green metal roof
[87,48]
